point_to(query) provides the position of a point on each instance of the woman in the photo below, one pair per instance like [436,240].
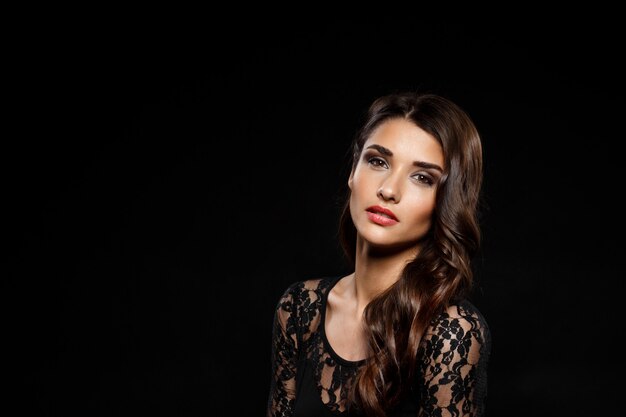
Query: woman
[398,336]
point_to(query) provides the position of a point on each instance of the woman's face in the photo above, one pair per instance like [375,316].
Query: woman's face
[393,186]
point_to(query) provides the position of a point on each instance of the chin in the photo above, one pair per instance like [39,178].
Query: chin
[391,250]
[389,246]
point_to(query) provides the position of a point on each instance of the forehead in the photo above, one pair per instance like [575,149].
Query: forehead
[406,140]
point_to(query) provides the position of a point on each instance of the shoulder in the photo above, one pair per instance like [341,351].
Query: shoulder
[306,292]
[462,328]
[299,307]
[463,314]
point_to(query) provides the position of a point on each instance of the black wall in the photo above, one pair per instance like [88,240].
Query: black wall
[165,183]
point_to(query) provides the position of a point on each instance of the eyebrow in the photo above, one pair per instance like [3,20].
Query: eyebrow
[420,164]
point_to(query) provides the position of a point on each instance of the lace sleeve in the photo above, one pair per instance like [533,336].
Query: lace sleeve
[284,356]
[454,364]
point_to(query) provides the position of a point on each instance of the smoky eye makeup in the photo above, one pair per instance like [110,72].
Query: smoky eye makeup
[432,172]
[376,156]
[374,159]
[425,178]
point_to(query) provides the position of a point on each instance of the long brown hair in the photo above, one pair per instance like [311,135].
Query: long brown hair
[440,273]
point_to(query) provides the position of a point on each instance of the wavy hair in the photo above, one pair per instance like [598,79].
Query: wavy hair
[396,320]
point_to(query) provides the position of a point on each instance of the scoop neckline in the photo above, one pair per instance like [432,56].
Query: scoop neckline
[327,344]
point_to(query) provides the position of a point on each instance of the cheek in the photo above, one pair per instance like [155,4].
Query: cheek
[359,183]
[422,210]
[359,191]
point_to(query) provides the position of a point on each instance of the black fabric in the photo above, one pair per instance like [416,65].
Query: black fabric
[310,379]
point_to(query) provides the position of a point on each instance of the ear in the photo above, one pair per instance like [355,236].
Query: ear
[351,179]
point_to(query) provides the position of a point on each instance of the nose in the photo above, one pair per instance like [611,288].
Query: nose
[388,193]
[391,186]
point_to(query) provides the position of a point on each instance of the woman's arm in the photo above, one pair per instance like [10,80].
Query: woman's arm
[284,358]
[454,364]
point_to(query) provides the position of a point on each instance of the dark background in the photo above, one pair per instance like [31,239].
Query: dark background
[166,181]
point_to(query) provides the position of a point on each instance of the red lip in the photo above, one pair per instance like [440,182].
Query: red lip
[382,210]
[381,215]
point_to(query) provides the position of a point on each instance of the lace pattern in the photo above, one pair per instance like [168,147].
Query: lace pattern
[452,379]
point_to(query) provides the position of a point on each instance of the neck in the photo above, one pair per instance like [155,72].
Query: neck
[373,274]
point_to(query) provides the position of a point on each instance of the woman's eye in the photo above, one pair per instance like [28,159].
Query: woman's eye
[377,162]
[424,179]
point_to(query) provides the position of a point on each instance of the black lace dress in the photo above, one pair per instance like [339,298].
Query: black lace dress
[310,379]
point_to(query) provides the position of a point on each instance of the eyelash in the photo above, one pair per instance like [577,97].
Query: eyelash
[373,159]
[422,178]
